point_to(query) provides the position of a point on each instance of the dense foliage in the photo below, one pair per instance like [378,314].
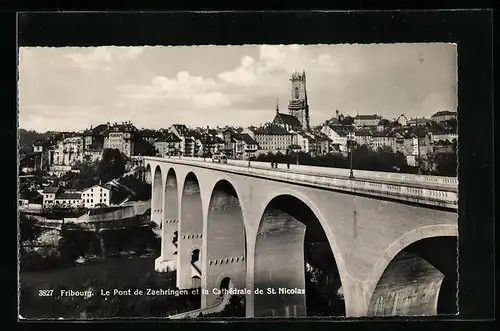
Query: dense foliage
[110,166]
[76,242]
[363,158]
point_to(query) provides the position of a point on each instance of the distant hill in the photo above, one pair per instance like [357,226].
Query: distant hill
[28,137]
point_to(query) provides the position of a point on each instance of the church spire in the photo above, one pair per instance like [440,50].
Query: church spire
[277,105]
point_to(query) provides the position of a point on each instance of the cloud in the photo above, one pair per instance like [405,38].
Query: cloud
[92,59]
[262,77]
[197,91]
[278,61]
[103,58]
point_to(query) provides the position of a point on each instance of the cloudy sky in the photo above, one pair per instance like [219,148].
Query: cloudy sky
[72,88]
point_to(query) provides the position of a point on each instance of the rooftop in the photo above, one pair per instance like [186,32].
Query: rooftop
[367,117]
[272,130]
[50,189]
[69,196]
[281,118]
[246,138]
[444,113]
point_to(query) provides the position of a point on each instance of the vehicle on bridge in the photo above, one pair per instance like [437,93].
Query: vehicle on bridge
[219,158]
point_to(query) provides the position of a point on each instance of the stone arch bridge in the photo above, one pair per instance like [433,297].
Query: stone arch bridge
[381,244]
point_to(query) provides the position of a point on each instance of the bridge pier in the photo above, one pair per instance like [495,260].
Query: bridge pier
[229,267]
[169,240]
[188,243]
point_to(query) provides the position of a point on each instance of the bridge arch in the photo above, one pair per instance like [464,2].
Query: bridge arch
[417,275]
[225,240]
[170,220]
[295,249]
[190,229]
[157,198]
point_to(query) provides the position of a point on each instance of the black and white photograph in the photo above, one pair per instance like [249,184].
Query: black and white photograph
[238,181]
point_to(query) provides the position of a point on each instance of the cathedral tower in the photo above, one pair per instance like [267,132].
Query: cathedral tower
[298,105]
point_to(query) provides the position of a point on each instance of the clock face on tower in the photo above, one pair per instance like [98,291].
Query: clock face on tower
[296,93]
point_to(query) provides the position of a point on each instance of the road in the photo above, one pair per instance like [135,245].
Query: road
[318,171]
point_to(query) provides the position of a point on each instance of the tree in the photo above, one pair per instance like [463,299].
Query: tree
[112,165]
[144,148]
[446,164]
[27,228]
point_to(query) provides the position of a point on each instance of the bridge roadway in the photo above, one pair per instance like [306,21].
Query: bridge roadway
[410,180]
[439,191]
[389,238]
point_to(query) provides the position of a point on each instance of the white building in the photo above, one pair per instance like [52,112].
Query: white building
[69,151]
[302,140]
[246,146]
[121,137]
[49,196]
[445,136]
[96,195]
[69,200]
[337,137]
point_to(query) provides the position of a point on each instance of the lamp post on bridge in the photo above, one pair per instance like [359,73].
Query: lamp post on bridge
[350,145]
[417,139]
[247,150]
[296,149]
[205,138]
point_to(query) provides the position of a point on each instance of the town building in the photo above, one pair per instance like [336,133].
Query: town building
[273,138]
[337,135]
[96,196]
[319,143]
[68,151]
[402,120]
[366,120]
[444,136]
[246,146]
[383,125]
[363,137]
[43,148]
[121,137]
[168,145]
[383,140]
[445,115]
[417,121]
[250,131]
[67,199]
[94,137]
[49,196]
[298,105]
[288,122]
[93,142]
[302,140]
[187,143]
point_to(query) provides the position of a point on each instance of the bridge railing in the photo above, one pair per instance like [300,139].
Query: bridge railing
[360,174]
[423,193]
